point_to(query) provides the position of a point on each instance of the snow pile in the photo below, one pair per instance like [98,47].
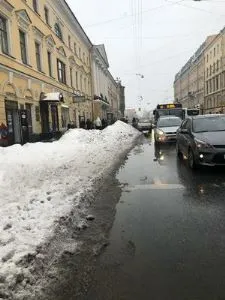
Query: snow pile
[41,182]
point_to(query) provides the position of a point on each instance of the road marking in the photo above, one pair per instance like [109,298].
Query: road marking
[161,186]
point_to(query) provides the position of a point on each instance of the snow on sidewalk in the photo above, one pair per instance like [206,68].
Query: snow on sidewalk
[41,182]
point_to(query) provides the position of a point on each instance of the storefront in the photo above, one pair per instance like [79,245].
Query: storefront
[49,111]
[13,122]
[65,116]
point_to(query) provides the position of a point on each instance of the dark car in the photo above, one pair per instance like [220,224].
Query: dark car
[201,140]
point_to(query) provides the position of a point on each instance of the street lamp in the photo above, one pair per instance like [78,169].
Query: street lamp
[141,75]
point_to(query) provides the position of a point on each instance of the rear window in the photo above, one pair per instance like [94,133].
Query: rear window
[164,122]
[209,124]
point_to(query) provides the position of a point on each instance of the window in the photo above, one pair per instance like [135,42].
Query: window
[58,31]
[61,68]
[49,63]
[3,36]
[76,80]
[71,76]
[217,82]
[207,72]
[75,48]
[217,65]
[69,41]
[35,6]
[37,113]
[214,51]
[79,53]
[81,83]
[46,15]
[213,85]
[38,56]
[23,48]
[87,61]
[83,57]
[85,85]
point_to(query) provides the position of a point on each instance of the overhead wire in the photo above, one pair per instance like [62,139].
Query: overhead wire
[195,8]
[131,15]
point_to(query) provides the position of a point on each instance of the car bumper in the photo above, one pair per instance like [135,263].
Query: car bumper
[166,138]
[144,128]
[213,158]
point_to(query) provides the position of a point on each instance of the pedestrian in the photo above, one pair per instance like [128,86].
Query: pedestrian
[104,123]
[134,122]
[98,123]
[88,124]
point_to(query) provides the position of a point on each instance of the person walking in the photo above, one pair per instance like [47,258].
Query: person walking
[88,124]
[98,123]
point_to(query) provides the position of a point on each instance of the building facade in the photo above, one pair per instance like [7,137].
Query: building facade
[45,70]
[113,112]
[121,93]
[106,93]
[190,80]
[215,75]
[100,72]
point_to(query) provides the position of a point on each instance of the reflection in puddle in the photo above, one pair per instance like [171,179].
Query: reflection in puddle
[163,153]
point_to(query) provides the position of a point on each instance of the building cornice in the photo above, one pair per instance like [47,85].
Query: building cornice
[63,7]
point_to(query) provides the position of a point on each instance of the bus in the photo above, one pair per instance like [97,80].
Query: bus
[169,109]
[174,109]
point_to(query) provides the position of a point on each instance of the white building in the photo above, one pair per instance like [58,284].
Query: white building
[106,97]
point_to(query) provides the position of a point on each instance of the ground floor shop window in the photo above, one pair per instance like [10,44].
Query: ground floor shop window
[65,117]
[13,122]
[55,118]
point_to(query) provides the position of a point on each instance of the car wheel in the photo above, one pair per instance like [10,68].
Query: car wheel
[179,154]
[191,160]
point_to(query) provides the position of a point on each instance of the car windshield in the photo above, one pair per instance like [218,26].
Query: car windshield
[164,122]
[209,124]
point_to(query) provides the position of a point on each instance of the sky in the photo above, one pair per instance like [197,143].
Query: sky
[153,38]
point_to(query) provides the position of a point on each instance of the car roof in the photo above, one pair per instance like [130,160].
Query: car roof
[169,117]
[207,116]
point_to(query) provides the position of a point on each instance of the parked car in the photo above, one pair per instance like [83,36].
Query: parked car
[166,129]
[144,125]
[201,140]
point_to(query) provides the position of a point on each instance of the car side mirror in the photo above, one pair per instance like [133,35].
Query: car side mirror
[184,131]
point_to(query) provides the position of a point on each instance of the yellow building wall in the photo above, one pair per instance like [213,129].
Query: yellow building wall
[26,78]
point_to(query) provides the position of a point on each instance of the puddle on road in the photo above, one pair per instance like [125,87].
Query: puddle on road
[164,243]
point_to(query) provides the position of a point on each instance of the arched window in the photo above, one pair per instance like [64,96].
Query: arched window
[58,31]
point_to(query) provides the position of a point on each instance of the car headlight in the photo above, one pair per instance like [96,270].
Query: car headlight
[159,132]
[202,145]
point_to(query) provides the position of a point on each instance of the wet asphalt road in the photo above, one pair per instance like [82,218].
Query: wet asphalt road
[167,240]
[168,237]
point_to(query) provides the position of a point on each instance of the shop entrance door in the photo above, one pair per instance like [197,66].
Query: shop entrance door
[13,122]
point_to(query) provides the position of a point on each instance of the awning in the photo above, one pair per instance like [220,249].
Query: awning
[64,106]
[51,97]
[101,101]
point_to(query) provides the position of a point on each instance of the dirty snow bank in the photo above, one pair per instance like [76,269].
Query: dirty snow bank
[41,182]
